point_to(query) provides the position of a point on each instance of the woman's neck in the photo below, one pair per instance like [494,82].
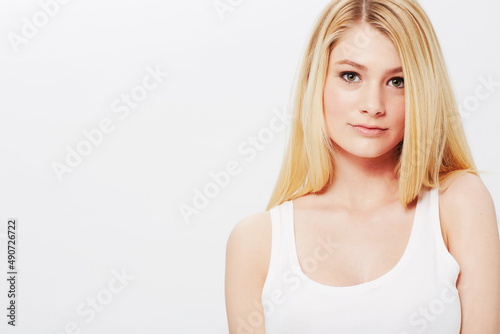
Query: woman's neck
[363,183]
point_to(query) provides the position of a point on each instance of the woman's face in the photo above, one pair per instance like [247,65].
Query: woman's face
[364,85]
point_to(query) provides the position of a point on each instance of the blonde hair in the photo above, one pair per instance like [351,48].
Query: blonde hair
[434,147]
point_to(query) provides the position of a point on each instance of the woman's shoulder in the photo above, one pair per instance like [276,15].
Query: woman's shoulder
[250,241]
[464,204]
[462,189]
[252,225]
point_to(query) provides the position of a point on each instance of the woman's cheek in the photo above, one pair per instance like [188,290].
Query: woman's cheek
[336,101]
[400,119]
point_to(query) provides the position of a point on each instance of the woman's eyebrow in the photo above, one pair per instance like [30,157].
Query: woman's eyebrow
[362,67]
[394,70]
[348,62]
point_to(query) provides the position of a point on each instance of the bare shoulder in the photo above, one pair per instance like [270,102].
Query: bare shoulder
[462,195]
[467,211]
[250,242]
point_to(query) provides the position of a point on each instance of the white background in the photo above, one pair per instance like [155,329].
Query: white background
[119,209]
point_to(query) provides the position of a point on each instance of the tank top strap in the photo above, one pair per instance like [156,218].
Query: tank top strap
[282,218]
[433,229]
[288,230]
[282,226]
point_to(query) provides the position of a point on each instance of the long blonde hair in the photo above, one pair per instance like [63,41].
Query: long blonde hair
[434,147]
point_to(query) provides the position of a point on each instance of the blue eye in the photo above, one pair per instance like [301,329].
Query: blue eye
[350,77]
[397,82]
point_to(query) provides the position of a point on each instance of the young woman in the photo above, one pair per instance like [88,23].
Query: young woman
[379,222]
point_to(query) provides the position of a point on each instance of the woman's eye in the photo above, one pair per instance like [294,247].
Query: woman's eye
[350,77]
[397,82]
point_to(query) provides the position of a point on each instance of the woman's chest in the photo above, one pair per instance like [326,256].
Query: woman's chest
[350,249]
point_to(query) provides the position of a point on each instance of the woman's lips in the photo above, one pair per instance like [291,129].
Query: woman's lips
[367,131]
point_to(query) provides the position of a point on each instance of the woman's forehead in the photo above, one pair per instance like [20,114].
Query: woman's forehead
[365,45]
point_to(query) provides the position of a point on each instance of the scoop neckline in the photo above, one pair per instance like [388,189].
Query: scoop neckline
[366,285]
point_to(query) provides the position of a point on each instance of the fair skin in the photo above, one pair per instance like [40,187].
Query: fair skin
[361,211]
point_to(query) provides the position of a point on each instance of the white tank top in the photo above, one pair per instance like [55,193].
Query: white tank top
[418,295]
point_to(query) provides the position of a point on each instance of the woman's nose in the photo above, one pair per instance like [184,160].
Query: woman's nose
[373,100]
